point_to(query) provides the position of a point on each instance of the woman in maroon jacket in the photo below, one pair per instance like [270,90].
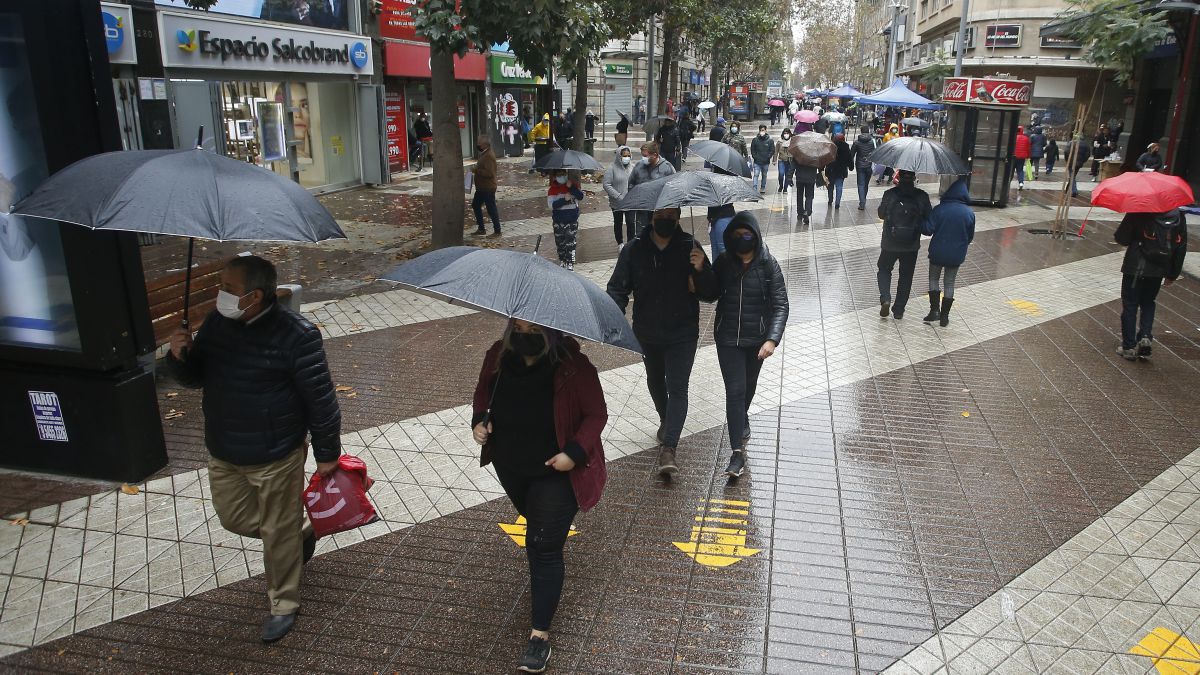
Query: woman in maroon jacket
[538,413]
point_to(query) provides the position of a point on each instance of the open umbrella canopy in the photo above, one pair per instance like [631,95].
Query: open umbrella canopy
[705,105]
[812,149]
[723,156]
[807,116]
[915,122]
[846,91]
[518,285]
[920,155]
[688,188]
[1142,192]
[188,193]
[899,95]
[834,117]
[777,102]
[568,159]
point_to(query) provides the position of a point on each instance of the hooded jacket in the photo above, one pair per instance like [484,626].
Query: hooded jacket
[485,171]
[1037,145]
[563,201]
[903,192]
[616,179]
[839,168]
[717,133]
[752,300]
[579,417]
[541,130]
[644,173]
[952,225]
[1131,230]
[762,149]
[736,141]
[781,148]
[1021,146]
[665,310]
[266,387]
[861,151]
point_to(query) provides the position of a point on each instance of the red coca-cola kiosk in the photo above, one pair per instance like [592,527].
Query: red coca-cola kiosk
[983,115]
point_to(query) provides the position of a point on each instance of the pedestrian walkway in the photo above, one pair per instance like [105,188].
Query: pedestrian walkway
[919,499]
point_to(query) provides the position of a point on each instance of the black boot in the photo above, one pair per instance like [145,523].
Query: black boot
[933,315]
[947,303]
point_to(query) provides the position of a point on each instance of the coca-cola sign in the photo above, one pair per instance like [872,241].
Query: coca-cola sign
[986,91]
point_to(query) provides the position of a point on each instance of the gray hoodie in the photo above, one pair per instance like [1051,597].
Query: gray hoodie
[616,179]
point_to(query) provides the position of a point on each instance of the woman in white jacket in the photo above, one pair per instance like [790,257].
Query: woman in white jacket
[616,184]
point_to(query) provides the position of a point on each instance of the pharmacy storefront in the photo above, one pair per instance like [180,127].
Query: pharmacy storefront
[284,97]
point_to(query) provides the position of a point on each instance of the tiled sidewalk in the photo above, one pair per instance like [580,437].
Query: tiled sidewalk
[900,475]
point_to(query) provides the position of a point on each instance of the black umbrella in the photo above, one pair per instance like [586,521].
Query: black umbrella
[915,122]
[687,188]
[920,155]
[518,285]
[568,159]
[720,155]
[187,193]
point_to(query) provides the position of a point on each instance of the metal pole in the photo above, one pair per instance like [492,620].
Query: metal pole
[962,39]
[891,64]
[651,109]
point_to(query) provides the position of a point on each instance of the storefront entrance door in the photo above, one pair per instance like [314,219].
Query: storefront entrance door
[195,105]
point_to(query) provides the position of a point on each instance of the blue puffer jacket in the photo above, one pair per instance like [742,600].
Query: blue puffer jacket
[952,225]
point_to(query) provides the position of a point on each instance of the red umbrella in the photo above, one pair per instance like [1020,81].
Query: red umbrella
[1142,192]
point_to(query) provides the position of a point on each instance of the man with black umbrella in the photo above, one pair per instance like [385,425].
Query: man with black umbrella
[665,270]
[266,388]
[905,211]
[652,167]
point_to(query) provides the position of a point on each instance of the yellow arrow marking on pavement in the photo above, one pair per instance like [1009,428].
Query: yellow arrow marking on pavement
[715,546]
[517,530]
[1026,307]
[1170,652]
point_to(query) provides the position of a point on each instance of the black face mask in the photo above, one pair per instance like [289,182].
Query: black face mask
[665,228]
[527,344]
[739,245]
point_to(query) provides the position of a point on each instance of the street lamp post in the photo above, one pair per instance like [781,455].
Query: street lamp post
[891,64]
[961,39]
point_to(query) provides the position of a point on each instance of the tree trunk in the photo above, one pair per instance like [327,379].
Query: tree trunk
[581,92]
[670,36]
[715,92]
[448,209]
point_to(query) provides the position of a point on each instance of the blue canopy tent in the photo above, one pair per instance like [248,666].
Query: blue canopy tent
[846,91]
[900,96]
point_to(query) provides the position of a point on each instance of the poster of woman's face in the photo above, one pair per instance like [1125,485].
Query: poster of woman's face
[301,121]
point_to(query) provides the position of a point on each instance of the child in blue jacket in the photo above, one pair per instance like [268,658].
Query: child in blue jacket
[563,197]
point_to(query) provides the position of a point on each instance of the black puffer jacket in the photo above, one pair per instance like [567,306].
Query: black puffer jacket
[266,385]
[665,310]
[752,302]
[1136,227]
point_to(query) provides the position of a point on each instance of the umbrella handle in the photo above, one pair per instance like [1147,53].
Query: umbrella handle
[187,281]
[537,244]
[200,138]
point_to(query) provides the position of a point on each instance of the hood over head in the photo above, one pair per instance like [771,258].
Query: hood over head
[617,156]
[957,192]
[747,220]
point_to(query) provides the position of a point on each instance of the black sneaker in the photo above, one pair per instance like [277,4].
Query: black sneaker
[737,464]
[1144,348]
[885,308]
[536,656]
[478,233]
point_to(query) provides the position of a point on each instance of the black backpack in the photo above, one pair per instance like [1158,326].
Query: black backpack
[904,219]
[1160,238]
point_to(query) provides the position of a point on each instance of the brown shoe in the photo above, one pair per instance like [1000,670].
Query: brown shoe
[666,462]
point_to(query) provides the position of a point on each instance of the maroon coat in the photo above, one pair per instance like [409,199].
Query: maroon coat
[579,416]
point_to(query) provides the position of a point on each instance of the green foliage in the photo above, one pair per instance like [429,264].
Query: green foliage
[200,4]
[936,72]
[1115,34]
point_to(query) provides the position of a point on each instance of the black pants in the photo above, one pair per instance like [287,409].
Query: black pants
[887,262]
[739,368]
[1138,294]
[804,197]
[668,369]
[548,504]
[630,219]
[484,198]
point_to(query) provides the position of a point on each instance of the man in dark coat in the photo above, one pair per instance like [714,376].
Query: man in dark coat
[860,154]
[266,388]
[667,138]
[1156,246]
[905,213]
[665,270]
[717,133]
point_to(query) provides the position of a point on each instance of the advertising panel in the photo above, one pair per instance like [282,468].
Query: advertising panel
[118,32]
[1002,35]
[739,99]
[396,22]
[403,60]
[316,13]
[397,132]
[506,70]
[986,91]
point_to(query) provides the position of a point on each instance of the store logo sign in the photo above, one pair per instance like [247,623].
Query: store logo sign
[186,40]
[359,55]
[515,71]
[114,32]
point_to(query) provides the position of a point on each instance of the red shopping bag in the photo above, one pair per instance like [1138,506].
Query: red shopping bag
[338,502]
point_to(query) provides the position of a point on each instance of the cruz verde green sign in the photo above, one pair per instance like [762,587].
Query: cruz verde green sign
[506,70]
[618,69]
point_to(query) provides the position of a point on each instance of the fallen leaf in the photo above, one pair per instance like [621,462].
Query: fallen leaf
[129,489]
[342,387]
[172,394]
[352,394]
[19,521]
[374,388]
[61,652]
[173,414]
[966,414]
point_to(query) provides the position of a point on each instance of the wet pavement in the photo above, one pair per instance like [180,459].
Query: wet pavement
[1004,494]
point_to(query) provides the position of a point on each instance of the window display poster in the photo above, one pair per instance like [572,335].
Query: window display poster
[317,13]
[301,121]
[271,134]
[48,416]
[397,133]
[36,309]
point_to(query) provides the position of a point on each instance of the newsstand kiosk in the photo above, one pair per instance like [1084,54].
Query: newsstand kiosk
[73,311]
[983,114]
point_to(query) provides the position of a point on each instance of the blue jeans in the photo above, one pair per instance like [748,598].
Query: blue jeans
[1137,294]
[760,176]
[716,235]
[1019,169]
[1074,182]
[835,186]
[785,174]
[864,182]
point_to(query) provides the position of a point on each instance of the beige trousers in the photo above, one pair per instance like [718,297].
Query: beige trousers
[262,501]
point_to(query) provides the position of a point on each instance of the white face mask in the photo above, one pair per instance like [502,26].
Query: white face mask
[561,180]
[227,305]
[763,134]
[625,161]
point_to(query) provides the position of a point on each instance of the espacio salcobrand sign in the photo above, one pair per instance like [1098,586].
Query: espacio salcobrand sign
[194,41]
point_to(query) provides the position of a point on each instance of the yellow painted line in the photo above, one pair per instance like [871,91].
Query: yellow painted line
[719,509]
[516,531]
[1026,307]
[728,502]
[718,519]
[1170,652]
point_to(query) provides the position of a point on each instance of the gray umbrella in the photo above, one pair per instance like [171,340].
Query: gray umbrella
[915,122]
[568,159]
[688,188]
[920,155]
[187,193]
[812,149]
[521,286]
[722,156]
